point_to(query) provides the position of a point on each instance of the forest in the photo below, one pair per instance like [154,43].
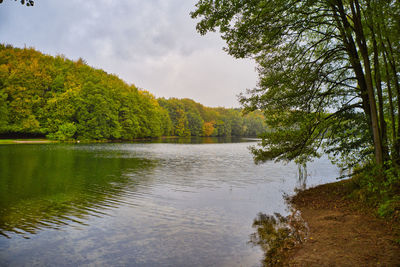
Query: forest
[61,99]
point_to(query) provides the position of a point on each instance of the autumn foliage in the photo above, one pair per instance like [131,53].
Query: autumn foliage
[41,95]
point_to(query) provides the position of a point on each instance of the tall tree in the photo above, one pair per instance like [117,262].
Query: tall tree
[319,68]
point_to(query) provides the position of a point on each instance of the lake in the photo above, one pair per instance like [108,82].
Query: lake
[177,202]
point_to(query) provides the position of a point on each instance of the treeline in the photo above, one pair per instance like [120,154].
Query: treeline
[61,99]
[193,119]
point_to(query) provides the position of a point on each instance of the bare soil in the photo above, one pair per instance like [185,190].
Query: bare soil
[343,232]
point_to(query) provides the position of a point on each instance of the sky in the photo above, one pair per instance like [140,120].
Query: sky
[150,43]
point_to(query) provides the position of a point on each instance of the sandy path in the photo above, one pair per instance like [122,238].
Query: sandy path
[339,234]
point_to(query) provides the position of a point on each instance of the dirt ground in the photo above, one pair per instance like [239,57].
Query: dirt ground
[341,233]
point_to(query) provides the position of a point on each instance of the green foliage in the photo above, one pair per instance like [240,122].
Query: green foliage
[321,66]
[151,119]
[195,123]
[390,208]
[193,119]
[379,187]
[3,111]
[379,180]
[64,100]
[65,132]
[97,113]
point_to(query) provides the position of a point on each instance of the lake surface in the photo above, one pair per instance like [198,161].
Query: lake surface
[177,203]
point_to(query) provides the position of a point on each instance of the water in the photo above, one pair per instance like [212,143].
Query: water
[180,203]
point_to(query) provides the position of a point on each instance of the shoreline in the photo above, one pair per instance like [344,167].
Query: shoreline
[25,141]
[144,139]
[342,231]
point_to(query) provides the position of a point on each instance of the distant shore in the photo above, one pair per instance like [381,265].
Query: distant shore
[26,141]
[165,138]
[343,232]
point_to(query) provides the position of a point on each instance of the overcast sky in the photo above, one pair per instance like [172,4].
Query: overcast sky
[150,43]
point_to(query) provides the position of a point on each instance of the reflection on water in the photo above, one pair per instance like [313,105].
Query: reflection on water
[202,140]
[51,186]
[277,234]
[143,204]
[302,171]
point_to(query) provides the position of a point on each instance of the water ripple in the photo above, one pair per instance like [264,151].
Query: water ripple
[138,204]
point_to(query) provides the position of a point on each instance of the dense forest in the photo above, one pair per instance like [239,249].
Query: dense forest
[61,99]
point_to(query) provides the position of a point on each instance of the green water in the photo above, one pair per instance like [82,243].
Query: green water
[175,203]
[45,186]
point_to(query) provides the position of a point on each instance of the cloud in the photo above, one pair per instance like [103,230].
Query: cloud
[151,43]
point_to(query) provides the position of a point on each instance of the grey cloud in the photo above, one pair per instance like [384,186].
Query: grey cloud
[151,43]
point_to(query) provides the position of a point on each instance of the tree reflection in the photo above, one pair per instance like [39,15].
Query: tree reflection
[276,235]
[53,186]
[201,140]
[302,177]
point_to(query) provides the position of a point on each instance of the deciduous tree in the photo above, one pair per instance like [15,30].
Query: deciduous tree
[320,68]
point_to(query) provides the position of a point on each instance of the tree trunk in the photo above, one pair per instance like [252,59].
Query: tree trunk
[378,83]
[395,151]
[397,87]
[351,50]
[361,42]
